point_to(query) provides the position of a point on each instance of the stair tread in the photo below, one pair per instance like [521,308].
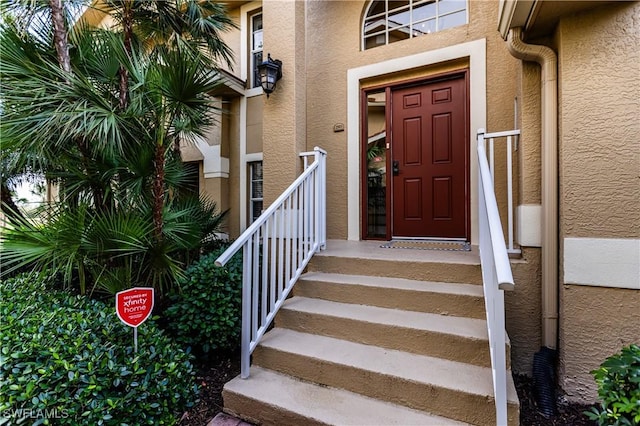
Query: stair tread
[463,327]
[396,283]
[438,372]
[325,404]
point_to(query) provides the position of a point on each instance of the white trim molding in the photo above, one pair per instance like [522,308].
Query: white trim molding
[475,51]
[529,225]
[213,164]
[604,262]
[245,11]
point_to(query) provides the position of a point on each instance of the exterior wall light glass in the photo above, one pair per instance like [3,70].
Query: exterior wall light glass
[270,71]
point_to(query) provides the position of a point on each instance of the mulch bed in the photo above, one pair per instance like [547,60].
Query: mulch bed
[214,372]
[568,414]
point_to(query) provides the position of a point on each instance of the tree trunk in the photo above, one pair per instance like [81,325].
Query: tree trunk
[127,31]
[60,34]
[158,192]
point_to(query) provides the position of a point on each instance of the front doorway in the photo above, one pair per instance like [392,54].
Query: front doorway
[417,160]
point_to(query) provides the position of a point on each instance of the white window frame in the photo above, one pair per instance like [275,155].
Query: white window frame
[246,12]
[410,7]
[253,49]
[252,180]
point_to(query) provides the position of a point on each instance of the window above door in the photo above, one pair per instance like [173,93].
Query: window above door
[388,21]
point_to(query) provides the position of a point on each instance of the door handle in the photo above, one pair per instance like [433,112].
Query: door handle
[396,167]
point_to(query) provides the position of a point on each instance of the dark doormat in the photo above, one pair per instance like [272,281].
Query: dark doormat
[428,245]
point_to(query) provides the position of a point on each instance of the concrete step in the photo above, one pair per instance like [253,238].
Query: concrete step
[271,398]
[396,293]
[453,338]
[368,258]
[447,388]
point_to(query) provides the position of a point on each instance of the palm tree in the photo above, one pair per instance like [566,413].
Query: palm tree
[124,162]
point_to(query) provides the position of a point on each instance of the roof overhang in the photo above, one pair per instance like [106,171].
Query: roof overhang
[228,86]
[538,18]
[513,13]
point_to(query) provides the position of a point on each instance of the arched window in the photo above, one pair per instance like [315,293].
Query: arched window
[388,21]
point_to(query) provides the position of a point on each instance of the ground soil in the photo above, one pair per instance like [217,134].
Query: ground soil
[215,371]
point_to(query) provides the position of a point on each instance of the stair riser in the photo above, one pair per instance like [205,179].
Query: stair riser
[421,342]
[408,300]
[422,271]
[260,413]
[470,408]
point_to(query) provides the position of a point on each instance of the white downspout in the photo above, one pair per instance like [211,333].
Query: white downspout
[547,59]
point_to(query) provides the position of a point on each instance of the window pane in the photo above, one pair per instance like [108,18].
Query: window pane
[424,11]
[376,159]
[453,20]
[256,209]
[376,8]
[397,4]
[399,18]
[373,41]
[257,60]
[257,22]
[399,34]
[447,6]
[374,25]
[257,41]
[424,27]
[256,171]
[256,189]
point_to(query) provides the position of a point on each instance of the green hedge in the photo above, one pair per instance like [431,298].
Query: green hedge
[206,314]
[618,380]
[69,360]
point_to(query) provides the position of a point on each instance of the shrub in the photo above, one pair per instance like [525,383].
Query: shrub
[69,358]
[618,380]
[206,314]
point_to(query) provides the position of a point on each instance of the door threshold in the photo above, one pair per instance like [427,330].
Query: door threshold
[430,239]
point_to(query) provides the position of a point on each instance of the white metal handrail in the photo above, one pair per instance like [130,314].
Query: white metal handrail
[496,277]
[511,141]
[276,248]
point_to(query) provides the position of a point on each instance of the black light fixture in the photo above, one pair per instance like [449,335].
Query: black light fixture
[270,72]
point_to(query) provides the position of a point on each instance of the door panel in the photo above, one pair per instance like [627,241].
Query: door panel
[429,139]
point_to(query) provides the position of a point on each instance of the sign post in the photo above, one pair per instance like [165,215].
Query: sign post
[133,307]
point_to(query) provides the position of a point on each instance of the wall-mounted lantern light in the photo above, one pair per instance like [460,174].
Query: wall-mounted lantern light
[270,72]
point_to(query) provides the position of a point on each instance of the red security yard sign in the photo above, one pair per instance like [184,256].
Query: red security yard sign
[133,307]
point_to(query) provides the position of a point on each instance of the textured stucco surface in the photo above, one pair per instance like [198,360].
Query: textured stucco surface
[284,117]
[600,104]
[596,323]
[254,124]
[529,159]
[523,310]
[233,217]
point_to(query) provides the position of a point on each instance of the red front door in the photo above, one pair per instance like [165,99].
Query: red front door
[430,157]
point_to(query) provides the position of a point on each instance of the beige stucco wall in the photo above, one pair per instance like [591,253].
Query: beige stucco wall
[599,70]
[233,217]
[529,159]
[285,112]
[254,124]
[599,104]
[523,310]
